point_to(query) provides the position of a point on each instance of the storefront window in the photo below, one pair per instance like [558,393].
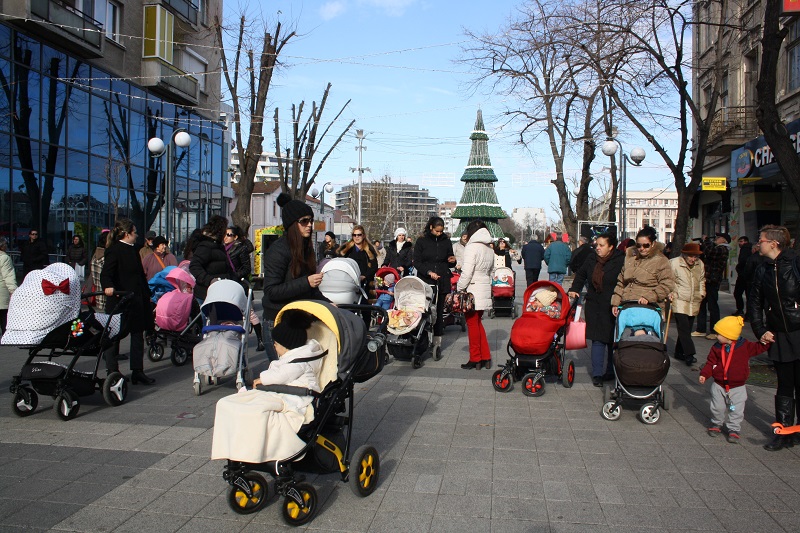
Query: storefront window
[793,56]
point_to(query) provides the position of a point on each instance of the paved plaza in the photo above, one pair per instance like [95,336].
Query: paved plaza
[455,456]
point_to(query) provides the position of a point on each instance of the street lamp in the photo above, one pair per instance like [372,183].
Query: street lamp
[180,138]
[327,188]
[609,148]
[360,136]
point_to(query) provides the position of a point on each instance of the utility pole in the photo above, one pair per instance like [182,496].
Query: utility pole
[360,136]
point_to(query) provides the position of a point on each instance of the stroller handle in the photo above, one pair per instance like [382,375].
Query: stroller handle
[631,303]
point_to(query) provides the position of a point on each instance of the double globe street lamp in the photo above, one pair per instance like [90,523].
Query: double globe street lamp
[180,138]
[609,148]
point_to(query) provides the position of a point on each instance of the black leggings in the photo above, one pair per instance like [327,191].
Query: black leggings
[788,379]
[444,289]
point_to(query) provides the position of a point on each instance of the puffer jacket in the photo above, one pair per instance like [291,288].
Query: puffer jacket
[775,292]
[210,261]
[476,270]
[431,254]
[690,286]
[240,257]
[397,259]
[280,287]
[8,279]
[648,277]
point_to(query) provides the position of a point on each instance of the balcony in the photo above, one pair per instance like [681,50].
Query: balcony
[60,23]
[731,128]
[170,81]
[185,8]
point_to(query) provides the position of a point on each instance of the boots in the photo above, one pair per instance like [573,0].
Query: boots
[260,336]
[436,349]
[784,414]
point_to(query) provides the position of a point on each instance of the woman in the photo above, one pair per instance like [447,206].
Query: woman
[8,282]
[690,289]
[775,317]
[290,266]
[209,261]
[328,248]
[362,252]
[433,259]
[77,256]
[476,277]
[239,249]
[646,276]
[504,255]
[599,273]
[96,269]
[122,271]
[399,253]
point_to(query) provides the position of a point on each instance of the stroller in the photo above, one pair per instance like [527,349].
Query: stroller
[223,350]
[641,363]
[411,321]
[178,318]
[45,318]
[382,287]
[341,282]
[537,343]
[503,293]
[451,318]
[325,446]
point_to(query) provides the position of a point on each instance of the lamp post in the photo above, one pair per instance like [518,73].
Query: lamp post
[360,136]
[180,138]
[609,148]
[327,188]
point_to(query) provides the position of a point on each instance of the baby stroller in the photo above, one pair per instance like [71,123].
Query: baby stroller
[178,318]
[341,282]
[324,444]
[537,343]
[450,318]
[503,293]
[411,321]
[640,363]
[45,318]
[382,287]
[223,350]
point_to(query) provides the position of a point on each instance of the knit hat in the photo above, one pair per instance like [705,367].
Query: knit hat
[292,210]
[546,296]
[399,231]
[159,240]
[330,234]
[389,280]
[730,327]
[291,332]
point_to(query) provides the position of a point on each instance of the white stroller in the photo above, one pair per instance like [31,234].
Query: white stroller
[341,282]
[411,321]
[223,350]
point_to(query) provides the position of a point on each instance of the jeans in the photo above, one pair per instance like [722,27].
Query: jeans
[272,354]
[684,347]
[602,353]
[478,342]
[711,303]
[532,276]
[557,277]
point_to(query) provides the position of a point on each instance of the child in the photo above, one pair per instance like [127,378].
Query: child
[729,364]
[386,292]
[545,300]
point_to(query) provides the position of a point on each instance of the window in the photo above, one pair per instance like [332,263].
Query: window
[112,21]
[158,27]
[195,65]
[723,95]
[793,55]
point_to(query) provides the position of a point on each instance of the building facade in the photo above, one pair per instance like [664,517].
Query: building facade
[446,212]
[656,208]
[85,85]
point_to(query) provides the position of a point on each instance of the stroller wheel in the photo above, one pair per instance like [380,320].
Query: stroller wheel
[364,471]
[649,413]
[67,405]
[115,389]
[610,414]
[180,356]
[533,384]
[248,501]
[198,388]
[155,352]
[25,401]
[568,373]
[502,381]
[301,511]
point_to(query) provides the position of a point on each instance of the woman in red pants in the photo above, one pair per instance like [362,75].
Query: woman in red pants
[476,277]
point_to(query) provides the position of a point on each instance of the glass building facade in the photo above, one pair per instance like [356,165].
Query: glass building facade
[73,151]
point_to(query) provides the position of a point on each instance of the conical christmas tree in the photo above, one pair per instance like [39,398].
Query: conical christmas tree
[479,200]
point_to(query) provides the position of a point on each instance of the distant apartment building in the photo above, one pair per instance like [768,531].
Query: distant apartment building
[446,212]
[267,169]
[656,208]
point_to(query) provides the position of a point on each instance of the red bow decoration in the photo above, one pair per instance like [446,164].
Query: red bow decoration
[49,288]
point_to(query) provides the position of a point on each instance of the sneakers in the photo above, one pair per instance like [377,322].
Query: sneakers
[714,431]
[698,334]
[732,437]
[597,381]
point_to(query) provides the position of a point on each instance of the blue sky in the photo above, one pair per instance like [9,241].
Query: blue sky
[395,60]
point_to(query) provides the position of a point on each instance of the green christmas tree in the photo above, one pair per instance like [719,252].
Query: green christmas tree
[479,199]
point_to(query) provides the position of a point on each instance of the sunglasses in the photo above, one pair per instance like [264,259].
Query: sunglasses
[644,245]
[358,234]
[306,221]
[230,235]
[34,234]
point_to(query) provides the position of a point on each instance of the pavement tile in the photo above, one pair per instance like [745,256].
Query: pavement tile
[575,512]
[152,523]
[392,522]
[460,524]
[518,509]
[479,506]
[510,525]
[689,518]
[209,524]
[404,502]
[95,518]
[741,521]
[37,514]
[631,515]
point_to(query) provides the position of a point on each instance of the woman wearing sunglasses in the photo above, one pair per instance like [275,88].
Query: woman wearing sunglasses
[646,276]
[360,249]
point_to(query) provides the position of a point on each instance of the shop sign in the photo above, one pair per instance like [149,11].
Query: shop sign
[791,6]
[715,184]
[754,159]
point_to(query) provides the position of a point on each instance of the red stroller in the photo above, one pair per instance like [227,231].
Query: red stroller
[382,291]
[455,319]
[503,293]
[537,343]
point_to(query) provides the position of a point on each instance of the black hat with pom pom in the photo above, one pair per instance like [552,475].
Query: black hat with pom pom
[292,210]
[292,331]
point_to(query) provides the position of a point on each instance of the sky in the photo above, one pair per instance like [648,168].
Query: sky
[396,60]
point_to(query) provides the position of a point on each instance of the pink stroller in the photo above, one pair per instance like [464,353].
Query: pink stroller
[178,320]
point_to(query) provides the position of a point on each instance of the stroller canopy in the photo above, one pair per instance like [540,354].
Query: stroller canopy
[227,300]
[565,305]
[503,275]
[412,294]
[179,278]
[341,281]
[639,317]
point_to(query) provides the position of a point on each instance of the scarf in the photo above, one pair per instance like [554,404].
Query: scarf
[399,245]
[597,273]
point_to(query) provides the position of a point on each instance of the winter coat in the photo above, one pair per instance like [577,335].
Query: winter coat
[557,256]
[8,279]
[239,253]
[34,256]
[381,253]
[458,251]
[152,266]
[648,277]
[775,292]
[366,264]
[739,369]
[533,255]
[327,253]
[431,254]
[77,255]
[579,256]
[597,304]
[476,270]
[209,261]
[715,259]
[287,371]
[506,259]
[750,267]
[744,254]
[122,270]
[401,259]
[96,270]
[280,287]
[690,286]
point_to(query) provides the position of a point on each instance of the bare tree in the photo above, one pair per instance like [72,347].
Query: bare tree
[248,87]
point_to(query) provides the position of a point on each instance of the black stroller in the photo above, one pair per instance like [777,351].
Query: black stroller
[352,355]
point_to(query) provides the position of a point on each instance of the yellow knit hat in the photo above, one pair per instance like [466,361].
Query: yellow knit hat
[730,327]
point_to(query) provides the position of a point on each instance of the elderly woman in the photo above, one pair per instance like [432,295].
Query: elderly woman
[690,289]
[476,278]
[599,273]
[399,253]
[646,276]
[8,282]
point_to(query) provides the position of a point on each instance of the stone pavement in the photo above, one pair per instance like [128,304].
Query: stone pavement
[456,456]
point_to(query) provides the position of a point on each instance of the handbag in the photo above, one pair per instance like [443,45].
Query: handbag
[459,302]
[576,332]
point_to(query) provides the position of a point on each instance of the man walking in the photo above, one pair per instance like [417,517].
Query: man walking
[580,254]
[745,250]
[557,256]
[532,255]
[34,253]
[715,258]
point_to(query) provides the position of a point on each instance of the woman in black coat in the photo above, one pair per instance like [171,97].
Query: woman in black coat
[599,273]
[360,249]
[239,249]
[122,271]
[210,261]
[399,253]
[433,259]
